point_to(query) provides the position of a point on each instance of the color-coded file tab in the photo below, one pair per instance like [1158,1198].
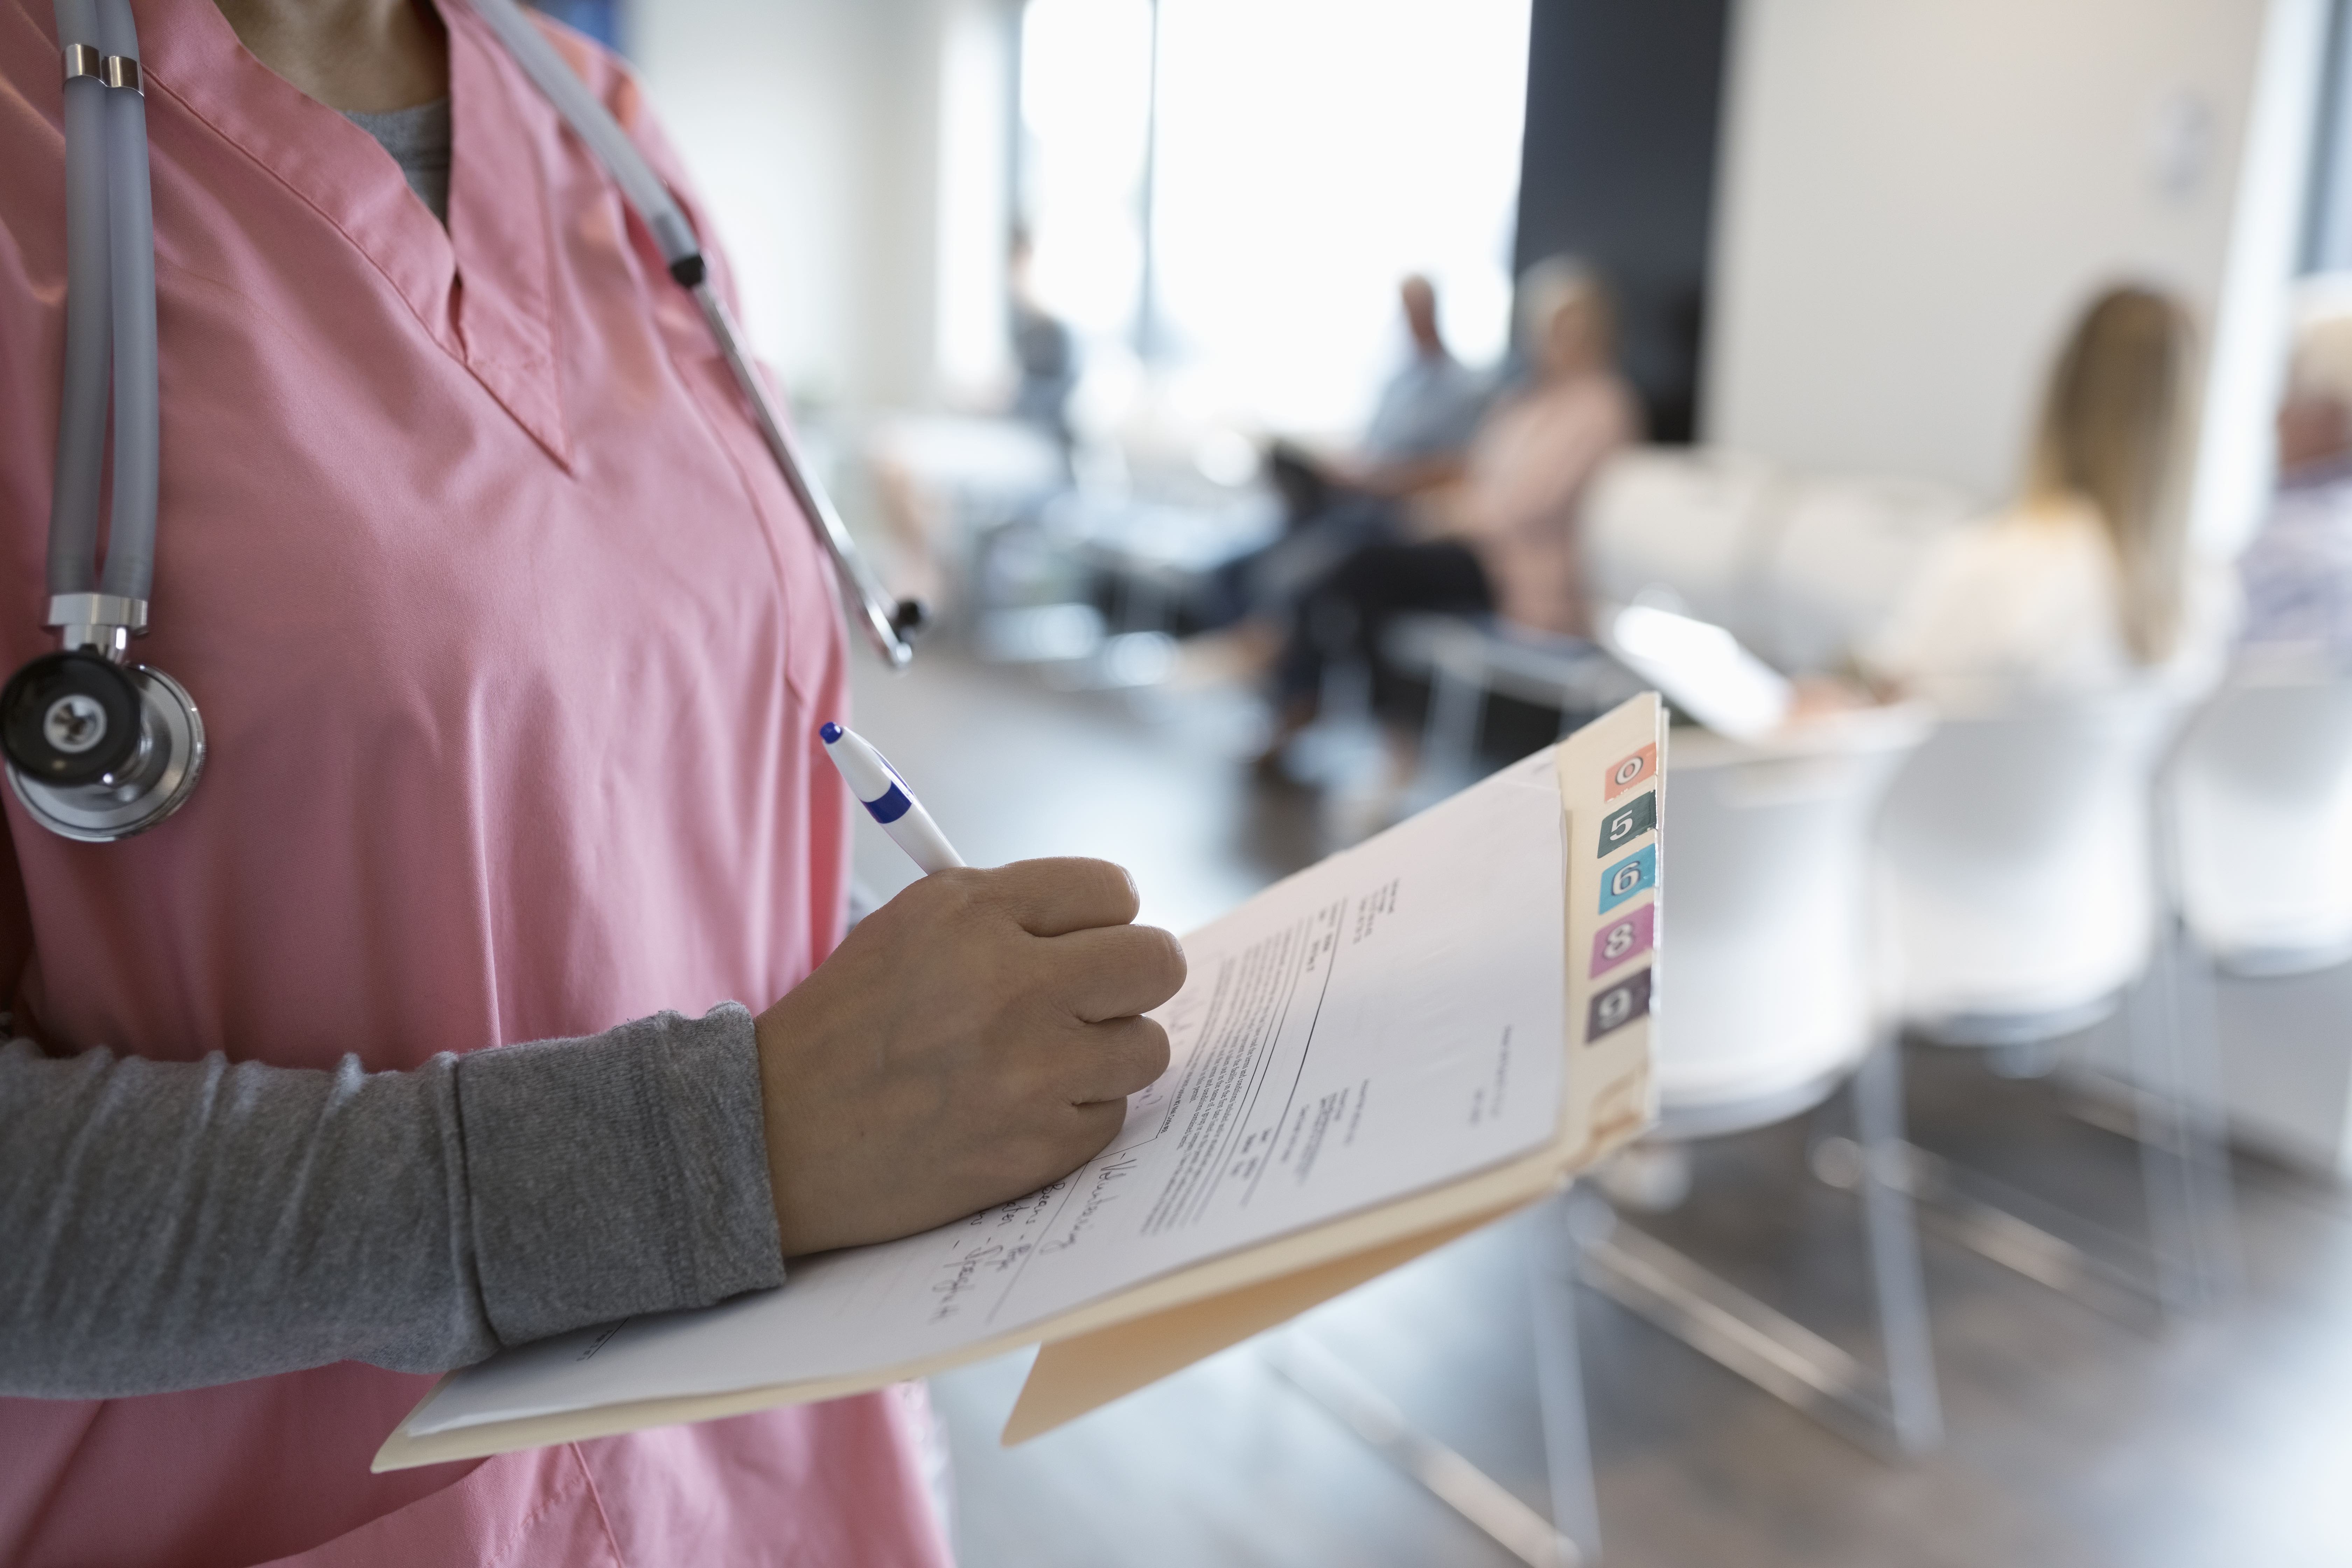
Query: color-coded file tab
[1635,768]
[1619,1006]
[1628,877]
[1629,822]
[1623,939]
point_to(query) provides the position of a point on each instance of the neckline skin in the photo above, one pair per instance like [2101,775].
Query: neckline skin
[365,56]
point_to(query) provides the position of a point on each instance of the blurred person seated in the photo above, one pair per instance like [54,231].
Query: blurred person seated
[1501,539]
[2297,576]
[931,470]
[2083,584]
[1334,503]
[1420,429]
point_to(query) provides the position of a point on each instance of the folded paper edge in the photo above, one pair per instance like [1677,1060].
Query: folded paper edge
[1075,1376]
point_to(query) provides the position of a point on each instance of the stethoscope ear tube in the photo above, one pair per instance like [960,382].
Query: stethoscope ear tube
[889,621]
[130,260]
[81,411]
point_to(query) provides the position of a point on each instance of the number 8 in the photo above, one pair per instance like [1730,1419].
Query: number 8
[1620,938]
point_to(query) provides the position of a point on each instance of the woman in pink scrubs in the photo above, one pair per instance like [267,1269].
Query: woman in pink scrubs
[511,646]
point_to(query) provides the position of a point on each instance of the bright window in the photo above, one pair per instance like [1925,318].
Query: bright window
[1233,188]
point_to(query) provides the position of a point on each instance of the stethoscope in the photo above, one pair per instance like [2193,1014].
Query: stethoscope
[98,748]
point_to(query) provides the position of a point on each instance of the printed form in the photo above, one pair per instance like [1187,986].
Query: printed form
[1384,1022]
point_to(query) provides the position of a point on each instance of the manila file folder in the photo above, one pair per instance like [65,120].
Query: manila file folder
[1404,1042]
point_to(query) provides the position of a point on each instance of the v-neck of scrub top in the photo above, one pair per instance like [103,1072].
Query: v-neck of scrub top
[482,289]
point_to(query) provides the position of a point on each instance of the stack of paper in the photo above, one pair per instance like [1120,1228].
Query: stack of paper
[1368,1059]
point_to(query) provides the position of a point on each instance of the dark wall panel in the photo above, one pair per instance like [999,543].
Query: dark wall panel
[1624,99]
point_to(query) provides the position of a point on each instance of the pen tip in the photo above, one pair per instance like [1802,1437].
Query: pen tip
[828,732]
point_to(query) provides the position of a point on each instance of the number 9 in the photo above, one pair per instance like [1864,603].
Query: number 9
[1614,1007]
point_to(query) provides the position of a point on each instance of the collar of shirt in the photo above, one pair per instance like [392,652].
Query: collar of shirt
[482,287]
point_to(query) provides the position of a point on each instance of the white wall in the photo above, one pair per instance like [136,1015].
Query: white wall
[1917,195]
[812,129]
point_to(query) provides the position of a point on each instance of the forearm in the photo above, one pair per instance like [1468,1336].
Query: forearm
[1407,476]
[170,1225]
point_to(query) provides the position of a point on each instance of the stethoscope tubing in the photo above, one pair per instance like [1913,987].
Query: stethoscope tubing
[110,346]
[885,619]
[109,351]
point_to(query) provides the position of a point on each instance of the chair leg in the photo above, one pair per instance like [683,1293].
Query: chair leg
[1897,1284]
[2184,1154]
[1773,1351]
[2199,1011]
[1571,1537]
[1456,705]
[1553,1268]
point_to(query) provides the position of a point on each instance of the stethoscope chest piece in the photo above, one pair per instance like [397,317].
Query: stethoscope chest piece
[98,751]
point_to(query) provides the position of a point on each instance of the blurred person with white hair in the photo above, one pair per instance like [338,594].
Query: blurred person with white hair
[2297,572]
[1502,540]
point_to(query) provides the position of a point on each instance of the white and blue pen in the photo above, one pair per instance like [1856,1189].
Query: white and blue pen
[888,800]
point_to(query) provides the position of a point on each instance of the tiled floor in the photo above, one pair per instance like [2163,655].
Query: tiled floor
[2074,1439]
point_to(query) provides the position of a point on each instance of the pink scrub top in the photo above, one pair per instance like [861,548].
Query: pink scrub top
[510,645]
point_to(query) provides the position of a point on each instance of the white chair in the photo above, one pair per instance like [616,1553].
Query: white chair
[2258,802]
[2015,855]
[1840,553]
[1688,521]
[1802,569]
[2016,864]
[1765,1010]
[2259,798]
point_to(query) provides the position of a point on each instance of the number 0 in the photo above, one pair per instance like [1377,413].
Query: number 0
[1627,770]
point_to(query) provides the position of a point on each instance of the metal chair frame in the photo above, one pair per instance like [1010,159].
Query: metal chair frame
[1896,1409]
[1577,1239]
[2188,1263]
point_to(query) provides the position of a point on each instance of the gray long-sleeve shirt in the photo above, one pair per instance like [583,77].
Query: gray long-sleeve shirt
[173,1224]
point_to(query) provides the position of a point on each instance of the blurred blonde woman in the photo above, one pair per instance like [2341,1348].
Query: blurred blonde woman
[2084,584]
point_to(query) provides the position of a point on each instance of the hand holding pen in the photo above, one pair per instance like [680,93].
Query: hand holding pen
[974,1039]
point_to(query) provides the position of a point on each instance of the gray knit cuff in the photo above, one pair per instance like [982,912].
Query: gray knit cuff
[622,1173]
